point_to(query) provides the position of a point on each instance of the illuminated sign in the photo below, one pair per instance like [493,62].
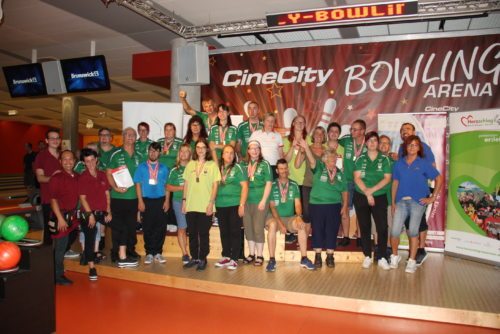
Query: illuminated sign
[343,14]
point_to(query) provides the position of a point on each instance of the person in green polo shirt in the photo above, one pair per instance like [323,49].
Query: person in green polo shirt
[286,210]
[105,148]
[354,146]
[124,205]
[222,133]
[230,202]
[328,201]
[143,142]
[245,129]
[259,180]
[372,175]
[208,115]
[170,146]
[175,186]
[384,146]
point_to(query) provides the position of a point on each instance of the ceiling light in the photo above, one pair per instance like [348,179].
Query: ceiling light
[12,112]
[90,124]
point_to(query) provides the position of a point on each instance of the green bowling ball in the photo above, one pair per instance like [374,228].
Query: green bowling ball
[2,217]
[14,228]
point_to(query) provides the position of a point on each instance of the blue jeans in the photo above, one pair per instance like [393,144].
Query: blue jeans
[181,218]
[407,208]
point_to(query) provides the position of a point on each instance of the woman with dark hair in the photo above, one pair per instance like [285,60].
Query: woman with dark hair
[93,190]
[291,147]
[410,196]
[231,198]
[222,133]
[259,189]
[201,180]
[196,130]
[175,186]
[372,175]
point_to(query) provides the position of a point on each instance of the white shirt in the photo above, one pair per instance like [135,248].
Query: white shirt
[270,142]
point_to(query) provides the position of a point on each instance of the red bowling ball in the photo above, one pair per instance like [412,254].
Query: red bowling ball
[10,255]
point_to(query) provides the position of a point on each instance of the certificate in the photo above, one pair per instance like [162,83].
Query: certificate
[122,177]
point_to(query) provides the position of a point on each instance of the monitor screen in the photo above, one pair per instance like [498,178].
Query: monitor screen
[25,80]
[85,74]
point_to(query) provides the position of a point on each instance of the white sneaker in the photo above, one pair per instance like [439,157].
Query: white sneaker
[367,262]
[233,265]
[411,266]
[148,259]
[395,261]
[222,262]
[382,263]
[159,258]
[173,228]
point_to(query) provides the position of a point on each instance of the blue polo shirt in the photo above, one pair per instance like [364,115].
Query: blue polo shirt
[413,178]
[428,155]
[142,176]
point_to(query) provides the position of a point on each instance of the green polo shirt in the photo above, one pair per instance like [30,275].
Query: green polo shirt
[244,134]
[287,208]
[229,192]
[204,117]
[104,157]
[389,186]
[142,148]
[215,137]
[169,158]
[324,192]
[121,158]
[349,156]
[176,178]
[372,172]
[79,167]
[256,186]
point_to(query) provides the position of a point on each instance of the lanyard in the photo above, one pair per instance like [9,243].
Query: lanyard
[252,129]
[283,191]
[222,134]
[331,175]
[166,148]
[225,174]
[356,151]
[251,170]
[199,170]
[153,171]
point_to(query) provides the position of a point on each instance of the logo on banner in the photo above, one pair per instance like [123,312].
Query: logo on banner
[471,121]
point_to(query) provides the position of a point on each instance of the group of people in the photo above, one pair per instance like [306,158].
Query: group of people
[251,179]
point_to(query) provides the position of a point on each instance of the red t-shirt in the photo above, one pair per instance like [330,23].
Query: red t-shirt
[46,161]
[94,188]
[64,188]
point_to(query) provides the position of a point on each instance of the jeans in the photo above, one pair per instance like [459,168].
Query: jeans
[230,231]
[59,250]
[407,208]
[180,217]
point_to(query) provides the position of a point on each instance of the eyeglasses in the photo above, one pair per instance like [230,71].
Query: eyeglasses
[413,145]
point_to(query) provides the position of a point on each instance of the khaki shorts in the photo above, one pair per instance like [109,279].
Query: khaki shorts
[288,221]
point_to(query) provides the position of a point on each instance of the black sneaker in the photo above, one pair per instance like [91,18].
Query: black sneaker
[318,262]
[345,242]
[290,238]
[93,274]
[127,263]
[421,256]
[63,280]
[330,261]
[191,263]
[202,265]
[138,227]
[133,255]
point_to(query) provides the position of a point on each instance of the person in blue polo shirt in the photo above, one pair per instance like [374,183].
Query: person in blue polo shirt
[150,180]
[410,196]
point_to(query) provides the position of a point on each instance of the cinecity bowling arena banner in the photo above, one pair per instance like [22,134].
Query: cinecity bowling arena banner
[473,220]
[345,82]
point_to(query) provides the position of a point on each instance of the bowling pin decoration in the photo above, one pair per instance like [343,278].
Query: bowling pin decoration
[245,107]
[288,115]
[328,111]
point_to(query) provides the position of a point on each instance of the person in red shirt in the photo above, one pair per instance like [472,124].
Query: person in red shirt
[46,163]
[63,194]
[93,189]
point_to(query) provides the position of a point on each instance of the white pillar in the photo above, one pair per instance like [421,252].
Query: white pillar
[70,117]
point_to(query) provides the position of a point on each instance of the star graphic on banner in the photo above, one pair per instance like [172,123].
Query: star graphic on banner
[212,61]
[350,107]
[249,90]
[371,114]
[332,92]
[275,90]
[264,58]
[404,101]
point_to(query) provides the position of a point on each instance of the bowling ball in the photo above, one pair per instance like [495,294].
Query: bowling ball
[14,228]
[10,255]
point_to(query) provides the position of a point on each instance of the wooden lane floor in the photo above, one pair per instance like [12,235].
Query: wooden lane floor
[443,289]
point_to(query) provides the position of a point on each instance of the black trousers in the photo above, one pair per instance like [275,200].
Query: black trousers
[230,231]
[364,212]
[124,213]
[305,192]
[199,234]
[90,235]
[46,210]
[154,225]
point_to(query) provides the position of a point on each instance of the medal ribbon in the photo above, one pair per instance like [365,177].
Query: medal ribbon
[252,129]
[153,172]
[251,169]
[283,191]
[222,134]
[357,152]
[225,174]
[199,170]
[166,147]
[331,175]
